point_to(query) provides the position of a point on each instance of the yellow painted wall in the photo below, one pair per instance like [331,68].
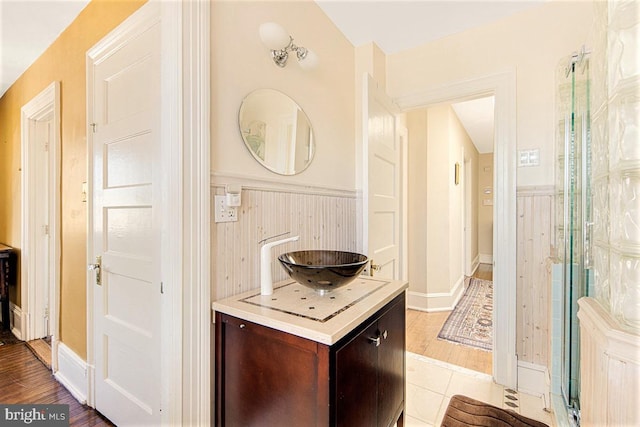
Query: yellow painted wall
[64,61]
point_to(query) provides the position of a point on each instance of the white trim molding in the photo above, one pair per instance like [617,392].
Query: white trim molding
[485,258]
[503,87]
[533,379]
[475,264]
[190,183]
[44,106]
[536,190]
[436,301]
[249,182]
[17,320]
[72,373]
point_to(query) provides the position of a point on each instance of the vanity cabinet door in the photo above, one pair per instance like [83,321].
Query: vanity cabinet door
[356,381]
[370,370]
[266,377]
[391,364]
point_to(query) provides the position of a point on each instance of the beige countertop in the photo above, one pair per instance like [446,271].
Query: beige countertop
[300,311]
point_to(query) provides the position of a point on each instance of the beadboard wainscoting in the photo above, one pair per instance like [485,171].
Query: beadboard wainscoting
[534,230]
[609,368]
[324,218]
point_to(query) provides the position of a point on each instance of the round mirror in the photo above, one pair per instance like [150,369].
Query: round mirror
[276,131]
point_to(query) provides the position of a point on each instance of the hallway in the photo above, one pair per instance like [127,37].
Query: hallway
[25,380]
[422,336]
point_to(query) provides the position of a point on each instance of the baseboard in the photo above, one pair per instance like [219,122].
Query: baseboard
[437,301]
[532,379]
[17,320]
[72,373]
[486,258]
[475,264]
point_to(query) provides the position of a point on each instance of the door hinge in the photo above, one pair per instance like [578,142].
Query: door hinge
[94,127]
[45,229]
[46,146]
[161,287]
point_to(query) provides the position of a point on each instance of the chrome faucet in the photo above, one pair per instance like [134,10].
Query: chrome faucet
[266,280]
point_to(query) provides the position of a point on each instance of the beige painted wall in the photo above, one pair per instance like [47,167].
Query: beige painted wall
[63,61]
[436,142]
[416,122]
[240,64]
[485,212]
[531,43]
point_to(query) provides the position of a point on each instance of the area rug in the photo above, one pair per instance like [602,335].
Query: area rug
[470,323]
[464,411]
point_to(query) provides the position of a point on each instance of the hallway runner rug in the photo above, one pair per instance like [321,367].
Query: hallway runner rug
[471,322]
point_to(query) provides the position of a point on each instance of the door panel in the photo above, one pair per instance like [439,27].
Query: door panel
[43,133]
[126,230]
[383,183]
[357,381]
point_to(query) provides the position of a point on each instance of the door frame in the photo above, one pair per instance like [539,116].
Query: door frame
[467,203]
[45,104]
[185,135]
[403,141]
[503,87]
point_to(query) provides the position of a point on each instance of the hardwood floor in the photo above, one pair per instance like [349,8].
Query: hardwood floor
[422,336]
[24,379]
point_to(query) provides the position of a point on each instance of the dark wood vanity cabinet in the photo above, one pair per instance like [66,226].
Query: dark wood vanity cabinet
[266,377]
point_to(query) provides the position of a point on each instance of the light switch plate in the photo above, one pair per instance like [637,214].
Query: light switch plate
[529,157]
[222,212]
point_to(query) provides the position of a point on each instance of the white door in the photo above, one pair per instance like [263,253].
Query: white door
[124,85]
[383,188]
[43,132]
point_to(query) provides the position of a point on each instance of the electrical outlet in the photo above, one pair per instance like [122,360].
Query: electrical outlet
[224,213]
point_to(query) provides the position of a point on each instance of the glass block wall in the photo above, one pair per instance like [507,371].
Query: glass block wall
[616,158]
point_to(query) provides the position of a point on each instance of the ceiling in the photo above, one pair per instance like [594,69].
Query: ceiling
[477,118]
[396,25]
[28,27]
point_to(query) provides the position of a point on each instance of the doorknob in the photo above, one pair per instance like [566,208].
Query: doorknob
[97,267]
[374,267]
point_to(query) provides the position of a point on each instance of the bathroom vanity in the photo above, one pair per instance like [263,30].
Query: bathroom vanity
[299,358]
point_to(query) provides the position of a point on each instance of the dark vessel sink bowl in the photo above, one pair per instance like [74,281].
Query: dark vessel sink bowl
[323,270]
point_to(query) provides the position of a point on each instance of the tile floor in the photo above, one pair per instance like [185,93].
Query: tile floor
[431,383]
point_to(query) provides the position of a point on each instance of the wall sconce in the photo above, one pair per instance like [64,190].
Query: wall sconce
[281,43]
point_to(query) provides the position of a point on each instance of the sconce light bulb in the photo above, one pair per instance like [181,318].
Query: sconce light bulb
[309,60]
[274,36]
